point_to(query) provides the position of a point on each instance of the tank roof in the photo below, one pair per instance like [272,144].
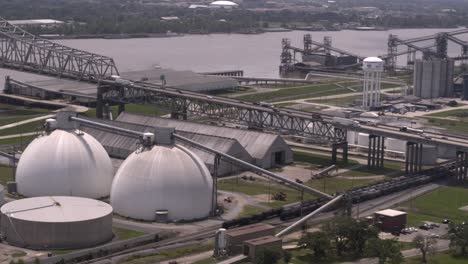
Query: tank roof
[373,59]
[58,209]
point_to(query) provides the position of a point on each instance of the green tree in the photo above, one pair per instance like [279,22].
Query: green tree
[267,256]
[359,233]
[318,242]
[426,245]
[386,250]
[458,235]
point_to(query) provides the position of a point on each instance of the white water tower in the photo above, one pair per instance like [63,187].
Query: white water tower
[373,68]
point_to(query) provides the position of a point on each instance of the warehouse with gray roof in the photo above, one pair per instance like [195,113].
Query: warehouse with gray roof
[121,146]
[267,150]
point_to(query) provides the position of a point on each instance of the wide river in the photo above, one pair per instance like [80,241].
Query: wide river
[257,55]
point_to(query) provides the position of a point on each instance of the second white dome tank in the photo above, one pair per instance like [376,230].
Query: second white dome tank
[65,163]
[164,178]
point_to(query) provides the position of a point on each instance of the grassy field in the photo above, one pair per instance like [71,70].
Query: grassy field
[260,186]
[124,234]
[17,140]
[6,175]
[171,254]
[35,126]
[342,101]
[315,159]
[451,113]
[460,126]
[296,93]
[438,258]
[390,167]
[437,205]
[250,210]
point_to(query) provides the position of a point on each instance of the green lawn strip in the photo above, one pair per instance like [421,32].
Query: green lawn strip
[35,126]
[17,140]
[18,254]
[333,185]
[438,258]
[460,126]
[296,93]
[390,168]
[260,186]
[11,120]
[249,210]
[317,159]
[406,245]
[170,254]
[336,101]
[124,234]
[441,203]
[451,113]
[6,175]
[62,251]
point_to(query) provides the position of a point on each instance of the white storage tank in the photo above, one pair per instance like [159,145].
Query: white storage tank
[395,145]
[363,140]
[65,163]
[164,179]
[56,222]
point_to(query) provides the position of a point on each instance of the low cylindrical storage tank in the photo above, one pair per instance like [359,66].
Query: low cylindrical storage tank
[363,140]
[65,163]
[163,178]
[395,144]
[429,156]
[56,222]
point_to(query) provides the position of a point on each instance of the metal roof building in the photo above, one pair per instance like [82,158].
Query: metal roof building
[267,150]
[121,146]
[184,80]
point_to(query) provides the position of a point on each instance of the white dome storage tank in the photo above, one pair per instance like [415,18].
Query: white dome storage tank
[363,140]
[66,163]
[395,145]
[164,179]
[56,222]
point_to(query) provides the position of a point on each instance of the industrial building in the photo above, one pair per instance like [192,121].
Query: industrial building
[184,80]
[56,222]
[64,162]
[164,182]
[433,78]
[390,220]
[121,146]
[253,248]
[237,236]
[267,150]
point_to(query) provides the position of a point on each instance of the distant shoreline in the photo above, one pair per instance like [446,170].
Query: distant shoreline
[170,35]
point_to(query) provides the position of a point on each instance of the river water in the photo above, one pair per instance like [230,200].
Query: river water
[258,55]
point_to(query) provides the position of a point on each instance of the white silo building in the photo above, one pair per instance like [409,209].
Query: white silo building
[64,162]
[56,222]
[373,68]
[164,183]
